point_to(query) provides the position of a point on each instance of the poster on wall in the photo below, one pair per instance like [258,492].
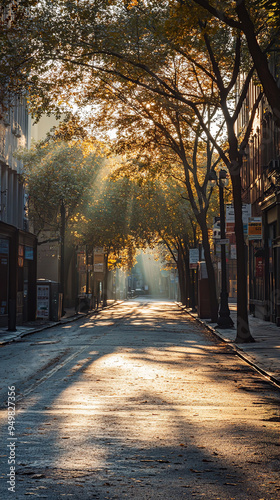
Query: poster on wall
[43,301]
[259,267]
[28,253]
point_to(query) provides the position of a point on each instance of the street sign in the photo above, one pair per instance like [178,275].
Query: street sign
[98,268]
[246,213]
[193,258]
[98,260]
[224,241]
[230,227]
[255,228]
[230,213]
[230,218]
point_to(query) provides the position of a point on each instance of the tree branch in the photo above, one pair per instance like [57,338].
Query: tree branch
[218,14]
[250,123]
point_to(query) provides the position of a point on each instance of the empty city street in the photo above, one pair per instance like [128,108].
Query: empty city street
[138,401]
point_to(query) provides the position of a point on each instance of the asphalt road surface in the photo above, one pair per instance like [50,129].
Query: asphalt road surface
[137,402]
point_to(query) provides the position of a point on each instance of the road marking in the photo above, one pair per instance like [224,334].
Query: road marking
[49,374]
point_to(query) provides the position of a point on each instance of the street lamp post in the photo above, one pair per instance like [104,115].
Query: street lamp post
[224,319]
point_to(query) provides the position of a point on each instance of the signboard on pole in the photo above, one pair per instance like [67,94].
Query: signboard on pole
[98,260]
[224,241]
[230,219]
[193,258]
[255,228]
[246,213]
[229,213]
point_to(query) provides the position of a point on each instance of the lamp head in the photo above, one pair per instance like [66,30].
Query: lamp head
[212,178]
[223,177]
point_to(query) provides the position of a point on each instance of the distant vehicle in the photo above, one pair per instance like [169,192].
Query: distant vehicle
[139,291]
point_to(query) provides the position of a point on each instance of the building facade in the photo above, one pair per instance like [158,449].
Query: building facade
[18,247]
[261,189]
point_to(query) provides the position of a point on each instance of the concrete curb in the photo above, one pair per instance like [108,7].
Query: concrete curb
[235,348]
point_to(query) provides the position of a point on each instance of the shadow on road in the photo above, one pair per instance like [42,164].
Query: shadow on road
[153,401]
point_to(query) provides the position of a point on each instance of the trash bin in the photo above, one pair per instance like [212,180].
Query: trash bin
[203,306]
[49,300]
[85,302]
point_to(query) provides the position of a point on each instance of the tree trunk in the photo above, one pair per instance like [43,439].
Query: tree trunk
[210,271]
[242,329]
[187,277]
[62,250]
[182,277]
[105,291]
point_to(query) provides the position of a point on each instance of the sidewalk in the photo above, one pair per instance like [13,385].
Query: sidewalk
[263,354]
[37,326]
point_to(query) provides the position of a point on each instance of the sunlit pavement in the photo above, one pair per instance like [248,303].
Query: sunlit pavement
[138,402]
[263,354]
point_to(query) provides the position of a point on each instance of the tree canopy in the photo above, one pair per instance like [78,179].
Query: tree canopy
[16,51]
[161,73]
[259,21]
[144,56]
[56,173]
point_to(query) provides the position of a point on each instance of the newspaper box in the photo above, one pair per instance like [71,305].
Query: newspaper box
[49,300]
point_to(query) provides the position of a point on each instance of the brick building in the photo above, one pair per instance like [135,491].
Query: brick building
[261,189]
